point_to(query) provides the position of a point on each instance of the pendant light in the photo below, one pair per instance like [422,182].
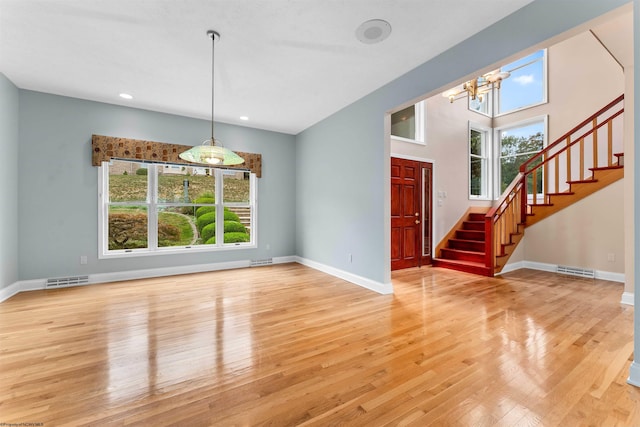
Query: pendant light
[211,152]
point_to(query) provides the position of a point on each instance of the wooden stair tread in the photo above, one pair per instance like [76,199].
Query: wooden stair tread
[540,204]
[465,266]
[459,262]
[606,168]
[582,181]
[566,193]
[466,240]
[463,251]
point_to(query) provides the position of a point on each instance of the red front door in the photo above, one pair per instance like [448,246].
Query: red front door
[410,217]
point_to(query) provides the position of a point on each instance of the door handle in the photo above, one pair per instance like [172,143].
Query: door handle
[417,221]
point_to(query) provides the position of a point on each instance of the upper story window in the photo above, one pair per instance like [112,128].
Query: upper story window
[409,124]
[517,144]
[525,87]
[148,209]
[479,161]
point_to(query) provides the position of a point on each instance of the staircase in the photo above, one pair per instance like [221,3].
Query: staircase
[464,248]
[581,162]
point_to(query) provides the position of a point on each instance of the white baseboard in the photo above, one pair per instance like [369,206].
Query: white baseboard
[38,284]
[165,271]
[552,268]
[512,267]
[381,288]
[627,298]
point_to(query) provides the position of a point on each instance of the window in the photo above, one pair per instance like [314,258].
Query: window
[516,145]
[479,162]
[525,87]
[482,103]
[150,209]
[408,124]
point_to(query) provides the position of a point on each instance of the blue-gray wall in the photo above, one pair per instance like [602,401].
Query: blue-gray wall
[342,196]
[9,100]
[324,194]
[58,186]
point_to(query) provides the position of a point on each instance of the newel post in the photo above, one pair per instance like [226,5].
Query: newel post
[488,241]
[523,196]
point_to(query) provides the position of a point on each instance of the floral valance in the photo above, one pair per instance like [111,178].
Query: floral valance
[105,147]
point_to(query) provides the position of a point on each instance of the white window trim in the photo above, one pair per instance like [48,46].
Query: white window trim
[103,215]
[545,91]
[488,147]
[496,145]
[490,96]
[420,125]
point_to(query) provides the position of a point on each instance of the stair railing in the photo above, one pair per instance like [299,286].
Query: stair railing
[503,220]
[572,157]
[591,144]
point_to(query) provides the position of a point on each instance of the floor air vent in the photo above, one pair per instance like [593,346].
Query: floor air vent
[575,271]
[67,281]
[259,262]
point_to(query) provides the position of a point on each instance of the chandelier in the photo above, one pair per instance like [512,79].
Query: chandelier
[478,87]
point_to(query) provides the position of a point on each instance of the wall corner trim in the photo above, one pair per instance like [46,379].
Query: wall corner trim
[381,288]
[627,298]
[634,374]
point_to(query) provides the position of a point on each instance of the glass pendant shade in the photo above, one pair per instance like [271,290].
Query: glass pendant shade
[211,154]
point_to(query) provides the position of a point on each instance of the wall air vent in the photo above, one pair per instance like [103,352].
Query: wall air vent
[67,281]
[259,262]
[576,271]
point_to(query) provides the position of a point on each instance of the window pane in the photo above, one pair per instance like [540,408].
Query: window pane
[237,224]
[517,145]
[127,181]
[127,227]
[525,85]
[185,184]
[236,186]
[176,226]
[481,103]
[403,123]
[475,142]
[475,184]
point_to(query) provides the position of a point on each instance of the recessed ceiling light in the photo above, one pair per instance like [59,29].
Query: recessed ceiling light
[126,96]
[373,31]
[244,118]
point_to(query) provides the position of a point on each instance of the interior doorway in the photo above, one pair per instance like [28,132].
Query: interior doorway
[411,213]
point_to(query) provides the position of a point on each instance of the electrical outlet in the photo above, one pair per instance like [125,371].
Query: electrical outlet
[611,257]
[83,259]
[350,258]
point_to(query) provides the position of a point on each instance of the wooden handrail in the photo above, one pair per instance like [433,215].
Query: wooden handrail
[584,135]
[510,211]
[505,195]
[564,137]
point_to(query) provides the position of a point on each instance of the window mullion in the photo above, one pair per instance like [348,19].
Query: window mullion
[219,207]
[152,207]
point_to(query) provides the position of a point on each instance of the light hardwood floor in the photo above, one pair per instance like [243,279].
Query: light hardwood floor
[287,345]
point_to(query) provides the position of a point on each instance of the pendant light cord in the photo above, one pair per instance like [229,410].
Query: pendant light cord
[213,57]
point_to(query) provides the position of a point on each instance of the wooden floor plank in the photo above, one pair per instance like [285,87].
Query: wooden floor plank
[287,345]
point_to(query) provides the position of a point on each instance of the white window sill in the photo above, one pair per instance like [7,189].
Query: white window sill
[175,250]
[412,141]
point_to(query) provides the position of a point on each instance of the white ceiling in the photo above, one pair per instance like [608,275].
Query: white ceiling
[286,64]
